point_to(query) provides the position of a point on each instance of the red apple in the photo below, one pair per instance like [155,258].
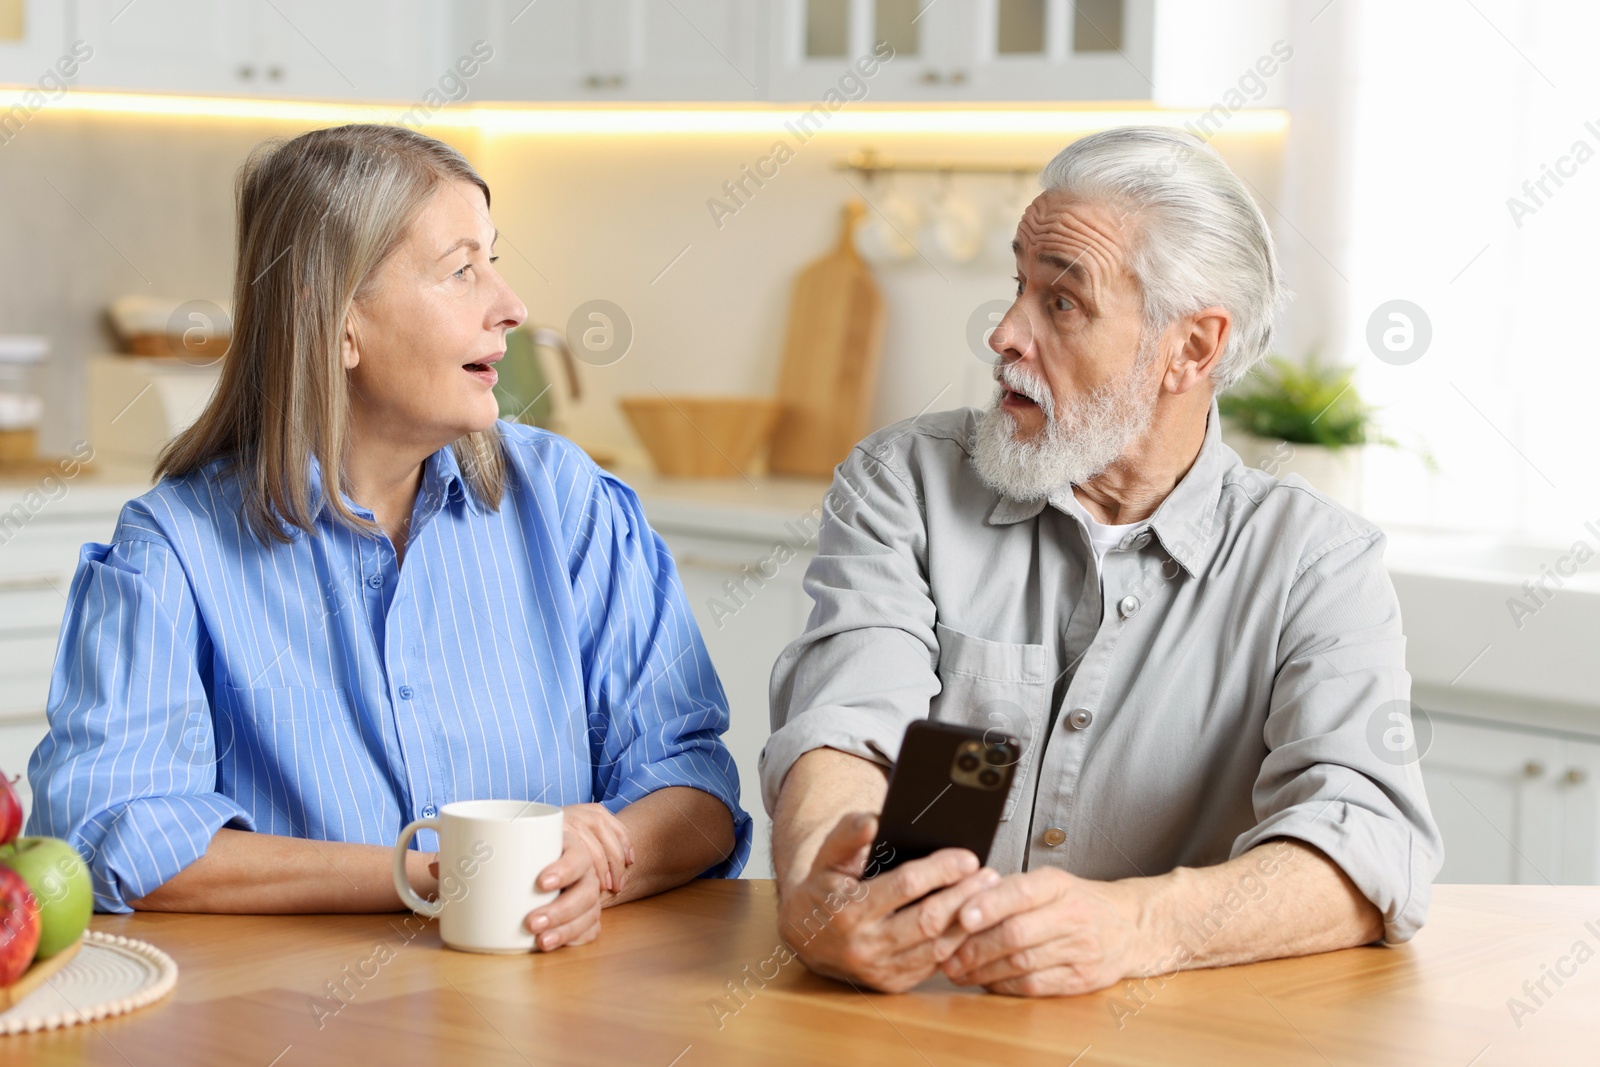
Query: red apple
[61,886]
[19,925]
[10,812]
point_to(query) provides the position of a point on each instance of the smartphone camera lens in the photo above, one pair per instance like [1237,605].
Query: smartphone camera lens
[989,777]
[998,755]
[967,762]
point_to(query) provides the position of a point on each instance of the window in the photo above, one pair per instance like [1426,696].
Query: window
[1474,184]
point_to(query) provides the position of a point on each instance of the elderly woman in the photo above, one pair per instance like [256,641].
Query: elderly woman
[354,596]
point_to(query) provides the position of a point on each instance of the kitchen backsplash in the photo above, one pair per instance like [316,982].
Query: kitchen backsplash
[695,237]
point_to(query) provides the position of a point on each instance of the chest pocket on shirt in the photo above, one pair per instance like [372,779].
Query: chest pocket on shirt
[991,685]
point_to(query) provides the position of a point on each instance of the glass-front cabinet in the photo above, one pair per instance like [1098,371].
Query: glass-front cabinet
[955,50]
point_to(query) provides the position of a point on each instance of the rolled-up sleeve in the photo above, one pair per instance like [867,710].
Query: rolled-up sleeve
[1342,770]
[127,773]
[866,665]
[657,710]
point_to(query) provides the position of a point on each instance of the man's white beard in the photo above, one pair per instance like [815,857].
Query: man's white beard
[1079,442]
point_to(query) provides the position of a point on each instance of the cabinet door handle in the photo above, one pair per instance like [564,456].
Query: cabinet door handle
[246,72]
[1533,769]
[1576,776]
[957,77]
[275,74]
[932,77]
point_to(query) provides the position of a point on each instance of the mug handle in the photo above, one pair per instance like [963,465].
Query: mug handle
[402,883]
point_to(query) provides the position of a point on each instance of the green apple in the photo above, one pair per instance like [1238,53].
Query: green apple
[60,879]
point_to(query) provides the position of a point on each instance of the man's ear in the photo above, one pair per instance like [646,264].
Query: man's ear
[1204,336]
[349,350]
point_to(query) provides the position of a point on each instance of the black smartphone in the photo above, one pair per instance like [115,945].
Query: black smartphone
[947,790]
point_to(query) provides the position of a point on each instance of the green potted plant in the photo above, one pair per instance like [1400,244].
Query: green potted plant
[1302,418]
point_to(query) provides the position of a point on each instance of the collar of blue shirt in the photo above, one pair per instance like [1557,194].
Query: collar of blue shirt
[1186,519]
[442,482]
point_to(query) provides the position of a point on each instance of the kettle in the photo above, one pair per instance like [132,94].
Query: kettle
[524,389]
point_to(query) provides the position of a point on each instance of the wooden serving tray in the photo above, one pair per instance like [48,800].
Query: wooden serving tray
[36,975]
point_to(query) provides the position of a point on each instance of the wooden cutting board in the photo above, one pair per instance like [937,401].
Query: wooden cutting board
[830,359]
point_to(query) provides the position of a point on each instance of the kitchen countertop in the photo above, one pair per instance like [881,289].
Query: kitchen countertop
[760,507]
[97,488]
[656,989]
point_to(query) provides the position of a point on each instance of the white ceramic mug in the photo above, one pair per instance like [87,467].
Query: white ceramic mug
[490,854]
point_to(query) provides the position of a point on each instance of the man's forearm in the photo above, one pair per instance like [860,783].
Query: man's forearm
[823,785]
[1282,898]
[677,833]
[262,874]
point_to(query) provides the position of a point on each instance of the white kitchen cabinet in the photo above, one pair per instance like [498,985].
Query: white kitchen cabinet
[42,40]
[600,50]
[1514,805]
[544,50]
[818,46]
[965,50]
[190,46]
[1175,52]
[391,50]
[40,538]
[743,646]
[746,595]
[330,49]
[1064,50]
[701,50]
[1578,781]
[1491,794]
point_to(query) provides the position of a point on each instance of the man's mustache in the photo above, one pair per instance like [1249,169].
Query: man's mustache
[1013,377]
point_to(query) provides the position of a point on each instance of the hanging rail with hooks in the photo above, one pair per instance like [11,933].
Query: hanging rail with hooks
[869,162]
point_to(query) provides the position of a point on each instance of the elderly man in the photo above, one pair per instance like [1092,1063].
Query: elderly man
[1195,656]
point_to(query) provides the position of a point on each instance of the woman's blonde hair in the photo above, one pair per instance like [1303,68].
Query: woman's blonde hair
[318,215]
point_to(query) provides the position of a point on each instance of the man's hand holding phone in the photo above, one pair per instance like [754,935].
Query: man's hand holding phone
[889,932]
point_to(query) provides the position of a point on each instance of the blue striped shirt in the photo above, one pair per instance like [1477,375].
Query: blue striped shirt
[318,689]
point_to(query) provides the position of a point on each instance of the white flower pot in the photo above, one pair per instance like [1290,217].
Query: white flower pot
[1336,472]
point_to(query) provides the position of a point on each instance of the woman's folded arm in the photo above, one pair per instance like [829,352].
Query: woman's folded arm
[248,873]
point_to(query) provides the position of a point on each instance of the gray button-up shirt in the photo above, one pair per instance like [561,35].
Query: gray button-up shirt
[1234,673]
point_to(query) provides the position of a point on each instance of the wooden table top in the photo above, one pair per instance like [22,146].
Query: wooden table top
[654,990]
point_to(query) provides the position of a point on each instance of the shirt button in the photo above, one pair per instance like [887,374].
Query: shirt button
[429,811]
[405,692]
[1142,540]
[375,581]
[1128,606]
[1055,836]
[1080,719]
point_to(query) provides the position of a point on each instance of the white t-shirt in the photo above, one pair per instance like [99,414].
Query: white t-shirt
[1104,537]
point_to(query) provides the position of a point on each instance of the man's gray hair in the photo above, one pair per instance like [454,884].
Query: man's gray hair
[1198,240]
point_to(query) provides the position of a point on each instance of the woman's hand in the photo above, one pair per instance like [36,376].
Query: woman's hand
[603,834]
[573,918]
